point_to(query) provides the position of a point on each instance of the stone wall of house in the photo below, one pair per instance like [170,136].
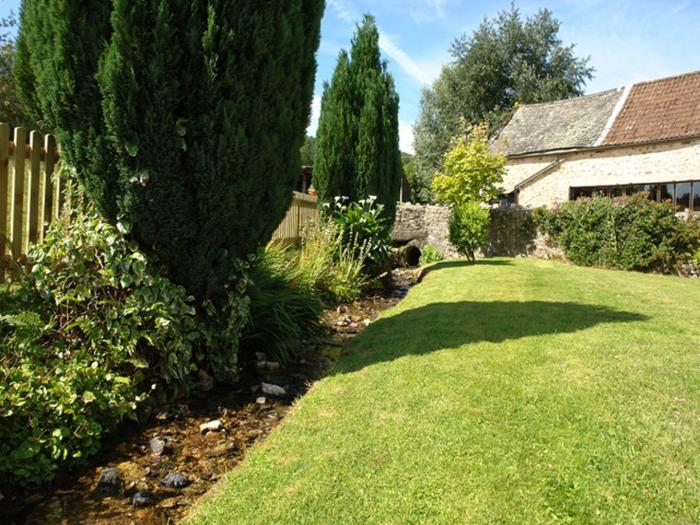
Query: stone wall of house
[419,225]
[668,162]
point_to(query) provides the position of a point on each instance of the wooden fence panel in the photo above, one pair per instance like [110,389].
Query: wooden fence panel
[29,194]
[32,194]
[302,212]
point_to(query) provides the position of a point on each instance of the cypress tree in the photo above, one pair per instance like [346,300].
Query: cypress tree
[183,117]
[357,142]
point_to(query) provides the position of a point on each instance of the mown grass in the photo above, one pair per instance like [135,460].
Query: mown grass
[508,391]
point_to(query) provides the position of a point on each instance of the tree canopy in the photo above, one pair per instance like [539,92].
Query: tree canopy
[175,118]
[470,172]
[357,143]
[506,61]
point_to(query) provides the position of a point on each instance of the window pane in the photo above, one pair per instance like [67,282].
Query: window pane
[651,190]
[578,193]
[683,196]
[666,192]
[696,195]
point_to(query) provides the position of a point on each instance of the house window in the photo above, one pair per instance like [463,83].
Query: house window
[666,192]
[684,195]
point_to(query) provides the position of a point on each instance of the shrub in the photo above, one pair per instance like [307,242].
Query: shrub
[357,143]
[628,233]
[468,228]
[282,313]
[696,257]
[429,255]
[363,224]
[176,118]
[96,332]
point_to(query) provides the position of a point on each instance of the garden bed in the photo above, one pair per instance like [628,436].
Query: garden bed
[173,440]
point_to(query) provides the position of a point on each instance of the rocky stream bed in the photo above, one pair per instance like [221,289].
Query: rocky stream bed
[152,473]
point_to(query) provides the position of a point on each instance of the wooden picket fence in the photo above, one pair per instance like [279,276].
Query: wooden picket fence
[303,211]
[31,194]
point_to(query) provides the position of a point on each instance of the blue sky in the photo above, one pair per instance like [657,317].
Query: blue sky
[627,40]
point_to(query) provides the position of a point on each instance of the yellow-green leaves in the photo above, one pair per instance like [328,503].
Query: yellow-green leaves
[470,172]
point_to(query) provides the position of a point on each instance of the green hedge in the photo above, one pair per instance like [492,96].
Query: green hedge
[628,233]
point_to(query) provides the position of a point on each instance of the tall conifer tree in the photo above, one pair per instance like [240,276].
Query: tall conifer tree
[357,142]
[185,117]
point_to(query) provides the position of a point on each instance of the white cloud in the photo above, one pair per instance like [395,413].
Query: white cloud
[315,115]
[406,63]
[342,11]
[406,137]
[387,44]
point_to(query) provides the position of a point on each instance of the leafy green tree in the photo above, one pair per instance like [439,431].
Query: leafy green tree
[175,118]
[506,61]
[470,172]
[12,110]
[418,186]
[357,149]
[308,151]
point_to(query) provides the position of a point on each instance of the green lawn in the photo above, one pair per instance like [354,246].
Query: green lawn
[510,391]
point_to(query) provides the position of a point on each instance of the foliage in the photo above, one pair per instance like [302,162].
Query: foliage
[506,61]
[330,264]
[282,312]
[418,184]
[175,117]
[364,225]
[470,172]
[629,233]
[95,333]
[308,151]
[469,224]
[357,149]
[12,110]
[696,257]
[430,255]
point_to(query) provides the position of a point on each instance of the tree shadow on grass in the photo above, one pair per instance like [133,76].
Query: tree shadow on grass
[463,263]
[439,326]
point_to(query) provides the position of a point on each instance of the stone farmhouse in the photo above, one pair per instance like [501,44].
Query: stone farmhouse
[643,138]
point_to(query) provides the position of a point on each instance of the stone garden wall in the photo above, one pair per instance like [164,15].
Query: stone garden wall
[419,225]
[512,232]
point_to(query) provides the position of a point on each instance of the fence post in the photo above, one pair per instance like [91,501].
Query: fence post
[17,191]
[33,192]
[51,185]
[4,193]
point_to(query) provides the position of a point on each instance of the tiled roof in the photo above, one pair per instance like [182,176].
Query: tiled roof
[655,111]
[564,124]
[659,110]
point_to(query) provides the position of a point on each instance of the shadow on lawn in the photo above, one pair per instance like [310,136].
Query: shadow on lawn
[462,263]
[450,325]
